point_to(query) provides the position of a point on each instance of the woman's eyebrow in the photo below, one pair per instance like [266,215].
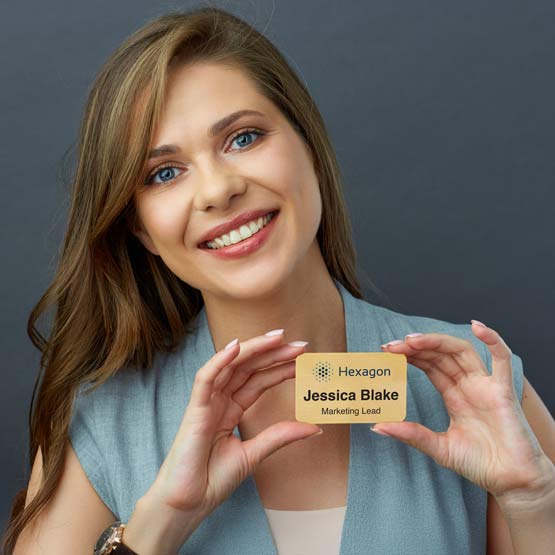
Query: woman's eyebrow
[214,130]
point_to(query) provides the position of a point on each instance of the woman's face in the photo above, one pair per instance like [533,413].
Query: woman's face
[212,178]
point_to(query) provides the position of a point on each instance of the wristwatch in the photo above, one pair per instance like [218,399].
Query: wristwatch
[110,541]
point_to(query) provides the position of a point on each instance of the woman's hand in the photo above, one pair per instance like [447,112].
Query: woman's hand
[489,440]
[207,462]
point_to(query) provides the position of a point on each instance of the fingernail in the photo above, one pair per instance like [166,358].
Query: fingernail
[274,332]
[316,434]
[297,343]
[413,334]
[374,429]
[479,323]
[231,343]
[396,342]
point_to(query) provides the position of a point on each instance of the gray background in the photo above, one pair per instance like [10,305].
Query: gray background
[443,120]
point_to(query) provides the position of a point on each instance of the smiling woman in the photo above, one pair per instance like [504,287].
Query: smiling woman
[270,171]
[167,160]
[207,208]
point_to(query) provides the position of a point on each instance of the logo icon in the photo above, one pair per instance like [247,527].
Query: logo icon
[322,371]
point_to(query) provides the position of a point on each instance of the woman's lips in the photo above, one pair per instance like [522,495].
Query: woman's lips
[245,247]
[236,223]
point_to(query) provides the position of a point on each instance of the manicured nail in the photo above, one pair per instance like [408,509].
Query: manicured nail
[414,334]
[297,343]
[231,343]
[479,323]
[316,434]
[374,429]
[396,342]
[274,332]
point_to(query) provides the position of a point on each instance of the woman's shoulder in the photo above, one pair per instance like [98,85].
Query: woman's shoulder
[127,389]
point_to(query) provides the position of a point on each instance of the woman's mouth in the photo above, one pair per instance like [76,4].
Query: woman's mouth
[242,241]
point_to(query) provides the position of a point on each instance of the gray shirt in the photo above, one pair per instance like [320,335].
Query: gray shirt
[399,500]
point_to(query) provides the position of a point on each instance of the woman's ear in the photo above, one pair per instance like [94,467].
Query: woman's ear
[137,230]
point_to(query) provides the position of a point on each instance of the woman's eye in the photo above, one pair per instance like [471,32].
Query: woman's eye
[241,136]
[164,172]
[167,172]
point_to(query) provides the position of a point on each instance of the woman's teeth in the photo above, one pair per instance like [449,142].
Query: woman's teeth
[240,234]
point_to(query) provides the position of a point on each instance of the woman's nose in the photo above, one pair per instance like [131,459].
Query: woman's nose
[216,187]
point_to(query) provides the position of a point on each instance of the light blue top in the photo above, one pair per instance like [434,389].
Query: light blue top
[399,500]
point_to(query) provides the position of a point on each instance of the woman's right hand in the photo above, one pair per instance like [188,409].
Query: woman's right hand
[207,462]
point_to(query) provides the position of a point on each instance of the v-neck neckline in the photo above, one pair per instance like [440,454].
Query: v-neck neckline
[361,335]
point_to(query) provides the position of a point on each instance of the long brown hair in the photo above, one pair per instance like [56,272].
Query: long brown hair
[116,303]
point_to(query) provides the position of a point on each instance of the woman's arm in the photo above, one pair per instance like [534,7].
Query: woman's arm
[72,520]
[490,440]
[502,539]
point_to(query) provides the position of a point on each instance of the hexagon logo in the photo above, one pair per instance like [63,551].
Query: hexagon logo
[322,371]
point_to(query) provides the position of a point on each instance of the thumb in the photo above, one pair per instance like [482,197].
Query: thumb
[275,437]
[414,434]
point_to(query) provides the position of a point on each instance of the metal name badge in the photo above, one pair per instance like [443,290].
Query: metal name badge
[350,387]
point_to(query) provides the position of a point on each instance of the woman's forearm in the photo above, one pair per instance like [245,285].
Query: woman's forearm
[531,517]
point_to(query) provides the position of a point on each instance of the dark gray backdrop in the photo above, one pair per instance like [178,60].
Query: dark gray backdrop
[443,120]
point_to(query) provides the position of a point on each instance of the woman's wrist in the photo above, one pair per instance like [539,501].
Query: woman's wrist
[157,530]
[530,514]
[528,501]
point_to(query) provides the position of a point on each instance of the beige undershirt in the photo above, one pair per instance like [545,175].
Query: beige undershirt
[302,532]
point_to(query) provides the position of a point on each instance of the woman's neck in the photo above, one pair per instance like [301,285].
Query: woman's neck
[309,309]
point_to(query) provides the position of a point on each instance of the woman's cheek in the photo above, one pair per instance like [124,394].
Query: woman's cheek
[167,219]
[281,164]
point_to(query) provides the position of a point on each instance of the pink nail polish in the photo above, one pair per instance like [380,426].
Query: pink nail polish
[395,342]
[297,343]
[274,332]
[374,429]
[479,323]
[231,343]
[414,334]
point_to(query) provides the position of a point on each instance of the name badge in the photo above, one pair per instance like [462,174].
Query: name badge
[350,387]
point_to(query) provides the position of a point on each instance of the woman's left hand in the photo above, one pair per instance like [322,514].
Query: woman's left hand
[489,440]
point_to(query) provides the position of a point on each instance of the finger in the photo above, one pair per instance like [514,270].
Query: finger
[501,354]
[275,437]
[201,439]
[433,444]
[245,397]
[460,350]
[455,356]
[259,382]
[440,379]
[206,376]
[254,358]
[429,359]
[236,375]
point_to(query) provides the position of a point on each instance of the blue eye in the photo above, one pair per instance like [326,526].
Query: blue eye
[162,170]
[169,166]
[246,134]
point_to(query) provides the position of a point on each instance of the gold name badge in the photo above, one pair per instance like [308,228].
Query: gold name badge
[350,387]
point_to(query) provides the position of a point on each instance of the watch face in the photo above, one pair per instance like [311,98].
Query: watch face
[106,538]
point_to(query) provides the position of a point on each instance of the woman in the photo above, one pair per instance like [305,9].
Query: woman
[195,122]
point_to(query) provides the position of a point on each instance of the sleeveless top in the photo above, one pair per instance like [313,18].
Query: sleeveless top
[399,500]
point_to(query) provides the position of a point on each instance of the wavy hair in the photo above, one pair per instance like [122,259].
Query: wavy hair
[114,302]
